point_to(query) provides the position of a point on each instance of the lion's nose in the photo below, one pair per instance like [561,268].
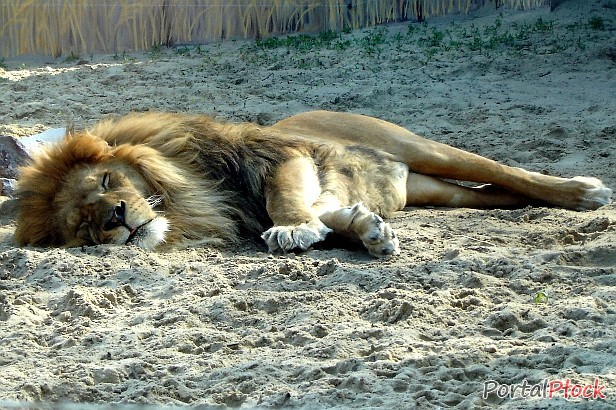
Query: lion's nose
[119,213]
[118,218]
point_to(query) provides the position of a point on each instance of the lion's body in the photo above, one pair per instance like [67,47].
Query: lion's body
[157,178]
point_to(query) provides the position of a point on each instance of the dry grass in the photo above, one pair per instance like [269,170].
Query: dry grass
[75,27]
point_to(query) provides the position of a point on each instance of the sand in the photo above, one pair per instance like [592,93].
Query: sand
[333,327]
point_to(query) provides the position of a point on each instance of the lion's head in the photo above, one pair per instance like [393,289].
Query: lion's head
[84,192]
[136,180]
[108,203]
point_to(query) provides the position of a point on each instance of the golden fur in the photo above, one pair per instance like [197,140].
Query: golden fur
[207,181]
[153,179]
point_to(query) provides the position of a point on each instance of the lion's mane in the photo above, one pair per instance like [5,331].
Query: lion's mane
[210,175]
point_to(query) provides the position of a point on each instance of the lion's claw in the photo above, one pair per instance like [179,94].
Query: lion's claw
[380,239]
[286,238]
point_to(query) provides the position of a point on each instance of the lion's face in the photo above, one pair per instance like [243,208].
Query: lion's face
[84,191]
[106,203]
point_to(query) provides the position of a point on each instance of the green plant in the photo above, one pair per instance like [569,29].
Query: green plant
[494,29]
[541,297]
[399,41]
[183,51]
[156,51]
[538,36]
[371,43]
[476,39]
[433,39]
[72,58]
[124,57]
[303,42]
[543,26]
[265,51]
[596,23]
[573,27]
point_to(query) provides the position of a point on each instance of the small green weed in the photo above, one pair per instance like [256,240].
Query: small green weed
[72,58]
[303,42]
[543,26]
[156,51]
[261,51]
[494,29]
[541,297]
[539,36]
[124,57]
[433,39]
[371,44]
[476,40]
[183,51]
[596,23]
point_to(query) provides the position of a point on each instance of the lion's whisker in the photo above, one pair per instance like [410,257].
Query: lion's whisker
[154,200]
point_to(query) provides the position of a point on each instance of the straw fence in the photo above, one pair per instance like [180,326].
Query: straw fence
[65,27]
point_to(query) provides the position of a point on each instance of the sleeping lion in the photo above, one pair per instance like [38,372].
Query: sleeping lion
[157,180]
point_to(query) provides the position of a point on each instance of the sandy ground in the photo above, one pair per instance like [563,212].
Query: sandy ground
[335,328]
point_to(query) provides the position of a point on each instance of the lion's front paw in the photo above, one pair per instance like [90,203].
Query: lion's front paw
[379,238]
[286,238]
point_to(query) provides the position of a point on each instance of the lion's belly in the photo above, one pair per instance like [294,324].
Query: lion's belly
[371,177]
[382,188]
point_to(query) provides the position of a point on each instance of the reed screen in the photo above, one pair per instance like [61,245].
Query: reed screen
[65,27]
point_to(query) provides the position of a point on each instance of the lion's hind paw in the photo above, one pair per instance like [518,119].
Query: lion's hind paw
[379,238]
[286,238]
[593,193]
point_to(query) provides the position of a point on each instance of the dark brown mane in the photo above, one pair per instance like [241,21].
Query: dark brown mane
[237,158]
[211,176]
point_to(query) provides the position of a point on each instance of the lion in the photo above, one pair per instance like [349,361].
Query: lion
[159,180]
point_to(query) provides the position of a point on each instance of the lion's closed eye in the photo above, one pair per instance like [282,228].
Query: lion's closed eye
[106,179]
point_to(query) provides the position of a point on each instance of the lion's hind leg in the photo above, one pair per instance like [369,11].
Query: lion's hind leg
[358,222]
[435,159]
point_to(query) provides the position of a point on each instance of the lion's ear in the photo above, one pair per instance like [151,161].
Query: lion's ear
[81,147]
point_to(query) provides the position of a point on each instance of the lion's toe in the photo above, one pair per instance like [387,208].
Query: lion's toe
[593,193]
[287,238]
[380,239]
